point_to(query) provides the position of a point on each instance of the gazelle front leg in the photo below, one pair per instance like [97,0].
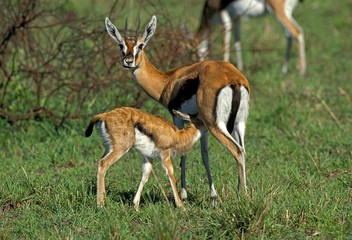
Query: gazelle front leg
[237,44]
[203,48]
[170,172]
[180,124]
[288,52]
[147,168]
[205,158]
[226,22]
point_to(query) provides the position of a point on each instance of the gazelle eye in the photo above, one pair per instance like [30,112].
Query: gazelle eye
[141,46]
[121,47]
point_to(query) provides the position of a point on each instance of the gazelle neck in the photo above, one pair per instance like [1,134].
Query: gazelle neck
[149,78]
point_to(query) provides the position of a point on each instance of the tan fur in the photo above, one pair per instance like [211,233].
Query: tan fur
[164,86]
[121,125]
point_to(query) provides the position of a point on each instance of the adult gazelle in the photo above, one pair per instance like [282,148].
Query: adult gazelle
[215,91]
[224,11]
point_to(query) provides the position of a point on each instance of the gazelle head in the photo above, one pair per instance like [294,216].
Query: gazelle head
[131,46]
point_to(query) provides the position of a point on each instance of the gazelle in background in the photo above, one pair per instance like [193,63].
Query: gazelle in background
[215,91]
[124,128]
[223,11]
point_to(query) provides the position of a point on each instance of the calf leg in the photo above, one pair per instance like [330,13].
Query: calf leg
[147,168]
[170,172]
[103,165]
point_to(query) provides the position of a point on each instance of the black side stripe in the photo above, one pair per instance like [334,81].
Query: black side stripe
[188,89]
[144,131]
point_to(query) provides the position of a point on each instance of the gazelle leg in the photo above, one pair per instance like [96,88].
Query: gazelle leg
[203,48]
[179,124]
[237,44]
[147,168]
[170,172]
[240,130]
[284,15]
[103,165]
[288,52]
[205,158]
[226,22]
[236,152]
[302,66]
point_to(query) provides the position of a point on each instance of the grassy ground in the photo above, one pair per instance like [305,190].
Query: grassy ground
[299,157]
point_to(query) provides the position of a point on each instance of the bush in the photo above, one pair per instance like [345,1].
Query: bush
[56,65]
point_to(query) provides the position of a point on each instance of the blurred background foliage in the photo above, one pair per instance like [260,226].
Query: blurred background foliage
[57,62]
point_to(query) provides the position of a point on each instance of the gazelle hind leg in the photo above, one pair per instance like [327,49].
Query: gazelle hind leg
[103,165]
[240,129]
[302,66]
[284,16]
[170,172]
[236,152]
[147,168]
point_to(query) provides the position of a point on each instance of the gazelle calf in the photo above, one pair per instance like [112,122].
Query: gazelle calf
[222,11]
[215,91]
[124,128]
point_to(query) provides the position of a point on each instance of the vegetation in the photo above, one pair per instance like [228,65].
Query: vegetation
[298,142]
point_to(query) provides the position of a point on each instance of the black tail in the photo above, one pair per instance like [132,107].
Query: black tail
[236,99]
[89,130]
[90,127]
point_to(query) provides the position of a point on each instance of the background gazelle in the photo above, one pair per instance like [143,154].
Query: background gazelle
[214,90]
[124,128]
[223,11]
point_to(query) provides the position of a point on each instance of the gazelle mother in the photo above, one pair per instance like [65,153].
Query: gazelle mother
[214,90]
[222,11]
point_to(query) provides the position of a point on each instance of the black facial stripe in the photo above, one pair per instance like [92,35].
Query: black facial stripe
[188,89]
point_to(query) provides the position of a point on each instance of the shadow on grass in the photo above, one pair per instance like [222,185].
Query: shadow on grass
[152,196]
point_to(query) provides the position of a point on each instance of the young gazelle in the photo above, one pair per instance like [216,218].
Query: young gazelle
[222,11]
[214,90]
[124,128]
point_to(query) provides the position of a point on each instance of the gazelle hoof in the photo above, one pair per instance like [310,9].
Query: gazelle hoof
[183,194]
[213,201]
[136,207]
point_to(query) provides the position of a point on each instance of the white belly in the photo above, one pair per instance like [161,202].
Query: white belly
[246,8]
[145,145]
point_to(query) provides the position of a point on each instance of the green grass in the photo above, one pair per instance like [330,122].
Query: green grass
[299,157]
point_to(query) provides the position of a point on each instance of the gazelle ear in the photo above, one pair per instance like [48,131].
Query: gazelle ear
[181,115]
[113,32]
[149,30]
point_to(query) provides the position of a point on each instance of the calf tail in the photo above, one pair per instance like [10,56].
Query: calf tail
[90,127]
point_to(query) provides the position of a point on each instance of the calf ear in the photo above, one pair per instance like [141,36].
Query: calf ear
[149,30]
[113,32]
[181,115]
